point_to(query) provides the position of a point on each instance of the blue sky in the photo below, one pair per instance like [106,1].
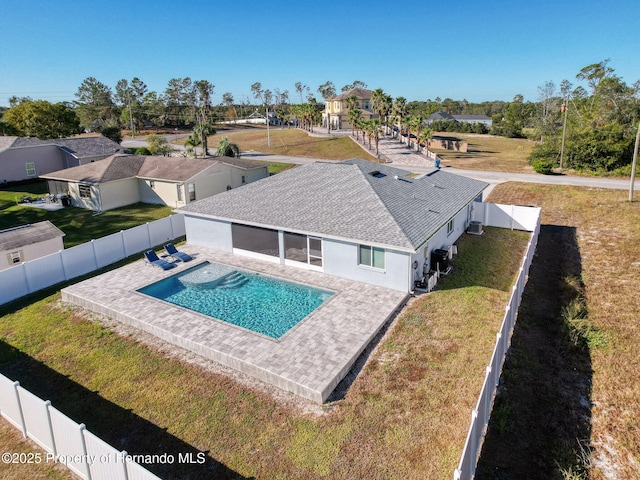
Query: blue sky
[419,49]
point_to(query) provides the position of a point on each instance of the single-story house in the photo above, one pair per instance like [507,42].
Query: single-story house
[28,242]
[466,118]
[336,111]
[121,180]
[353,219]
[25,158]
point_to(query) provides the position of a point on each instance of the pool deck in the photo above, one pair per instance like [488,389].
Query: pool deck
[309,360]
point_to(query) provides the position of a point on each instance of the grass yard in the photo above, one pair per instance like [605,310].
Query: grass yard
[405,416]
[290,141]
[570,394]
[488,152]
[78,224]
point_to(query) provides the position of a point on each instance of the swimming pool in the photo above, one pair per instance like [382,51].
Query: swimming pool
[259,303]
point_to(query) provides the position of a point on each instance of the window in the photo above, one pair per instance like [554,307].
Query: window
[302,248]
[244,179]
[192,192]
[152,184]
[179,193]
[85,191]
[31,169]
[371,256]
[450,227]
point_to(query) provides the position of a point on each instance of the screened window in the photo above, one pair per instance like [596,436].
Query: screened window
[179,193]
[31,169]
[371,256]
[255,239]
[450,227]
[192,192]
[85,191]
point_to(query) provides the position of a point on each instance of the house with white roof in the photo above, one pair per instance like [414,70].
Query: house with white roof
[25,158]
[28,242]
[353,219]
[121,180]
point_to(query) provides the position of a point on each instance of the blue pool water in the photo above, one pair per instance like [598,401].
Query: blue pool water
[256,302]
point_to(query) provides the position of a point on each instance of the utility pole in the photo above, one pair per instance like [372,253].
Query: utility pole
[565,107]
[633,165]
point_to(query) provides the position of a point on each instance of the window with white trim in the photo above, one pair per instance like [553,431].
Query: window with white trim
[192,192]
[31,169]
[85,191]
[15,257]
[371,256]
[450,227]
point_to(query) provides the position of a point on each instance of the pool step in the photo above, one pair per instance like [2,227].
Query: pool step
[232,281]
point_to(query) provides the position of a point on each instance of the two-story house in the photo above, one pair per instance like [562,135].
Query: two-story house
[337,114]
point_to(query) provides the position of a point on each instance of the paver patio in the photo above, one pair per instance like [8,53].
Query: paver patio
[310,360]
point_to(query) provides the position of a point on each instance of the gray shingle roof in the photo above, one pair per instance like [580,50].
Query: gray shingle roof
[17,237]
[342,200]
[80,147]
[117,167]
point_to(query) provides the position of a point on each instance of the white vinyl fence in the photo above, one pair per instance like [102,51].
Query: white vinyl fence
[63,440]
[514,217]
[34,275]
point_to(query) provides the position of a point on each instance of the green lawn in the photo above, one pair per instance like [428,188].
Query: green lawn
[405,416]
[78,224]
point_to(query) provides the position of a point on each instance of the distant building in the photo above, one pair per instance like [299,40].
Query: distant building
[28,242]
[336,113]
[25,158]
[126,179]
[444,116]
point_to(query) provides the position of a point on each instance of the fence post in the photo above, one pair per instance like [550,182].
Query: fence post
[124,464]
[149,235]
[95,255]
[82,427]
[47,405]
[474,441]
[64,270]
[124,245]
[23,424]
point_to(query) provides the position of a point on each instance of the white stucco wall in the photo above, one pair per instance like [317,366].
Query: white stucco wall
[119,193]
[341,259]
[208,233]
[31,252]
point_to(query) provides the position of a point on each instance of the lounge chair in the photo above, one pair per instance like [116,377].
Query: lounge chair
[152,258]
[172,251]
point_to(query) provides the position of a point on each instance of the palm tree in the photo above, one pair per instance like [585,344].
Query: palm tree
[192,142]
[400,111]
[417,124]
[203,130]
[355,115]
[381,103]
[425,136]
[227,149]
[406,122]
[376,128]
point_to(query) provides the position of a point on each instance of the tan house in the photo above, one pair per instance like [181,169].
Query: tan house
[337,114]
[122,180]
[28,242]
[24,158]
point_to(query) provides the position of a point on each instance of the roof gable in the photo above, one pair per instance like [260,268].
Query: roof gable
[79,147]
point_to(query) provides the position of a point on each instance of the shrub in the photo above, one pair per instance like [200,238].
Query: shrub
[545,167]
[142,151]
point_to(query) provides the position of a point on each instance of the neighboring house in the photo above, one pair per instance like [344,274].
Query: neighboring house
[336,113]
[353,219]
[443,116]
[126,179]
[23,158]
[28,242]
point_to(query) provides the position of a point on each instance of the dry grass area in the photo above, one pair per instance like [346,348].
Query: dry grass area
[290,141]
[24,451]
[406,415]
[488,152]
[570,393]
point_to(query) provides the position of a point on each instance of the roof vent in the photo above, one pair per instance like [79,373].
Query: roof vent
[377,174]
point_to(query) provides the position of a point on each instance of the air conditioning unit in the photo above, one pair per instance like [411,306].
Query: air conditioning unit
[475,228]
